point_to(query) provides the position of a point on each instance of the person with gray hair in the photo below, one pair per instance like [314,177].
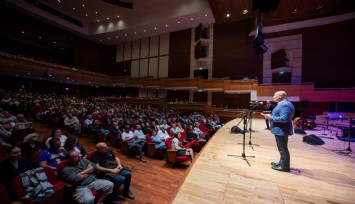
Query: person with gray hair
[281,126]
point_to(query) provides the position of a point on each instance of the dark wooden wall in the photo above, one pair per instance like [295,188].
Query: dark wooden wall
[232,100]
[233,55]
[179,95]
[179,54]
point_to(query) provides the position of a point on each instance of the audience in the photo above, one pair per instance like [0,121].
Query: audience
[52,156]
[133,142]
[110,168]
[57,133]
[181,150]
[31,144]
[72,143]
[81,173]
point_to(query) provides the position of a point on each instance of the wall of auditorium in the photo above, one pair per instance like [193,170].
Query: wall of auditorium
[233,55]
[327,54]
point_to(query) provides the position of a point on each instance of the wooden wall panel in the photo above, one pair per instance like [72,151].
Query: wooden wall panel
[164,44]
[143,69]
[119,52]
[233,55]
[134,68]
[136,49]
[232,100]
[127,51]
[177,95]
[153,67]
[179,54]
[144,47]
[153,46]
[163,69]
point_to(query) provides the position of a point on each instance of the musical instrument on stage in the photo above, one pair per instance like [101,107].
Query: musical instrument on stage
[304,123]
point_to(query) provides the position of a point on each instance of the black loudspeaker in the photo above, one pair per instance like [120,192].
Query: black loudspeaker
[264,6]
[313,140]
[300,131]
[236,130]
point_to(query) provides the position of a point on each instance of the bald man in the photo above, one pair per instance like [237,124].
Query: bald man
[281,126]
[110,168]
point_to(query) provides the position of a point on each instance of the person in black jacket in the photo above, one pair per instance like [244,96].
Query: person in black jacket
[30,145]
[12,166]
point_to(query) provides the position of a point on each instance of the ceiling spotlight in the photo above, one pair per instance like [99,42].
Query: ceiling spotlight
[98,20]
[118,16]
[206,15]
[166,25]
[86,15]
[295,11]
[73,8]
[191,19]
[245,11]
[228,15]
[23,32]
[145,31]
[83,5]
[155,28]
[108,18]
[135,33]
[96,12]
[178,22]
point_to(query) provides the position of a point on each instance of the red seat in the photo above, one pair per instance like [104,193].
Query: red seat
[89,155]
[171,154]
[58,196]
[4,195]
[34,158]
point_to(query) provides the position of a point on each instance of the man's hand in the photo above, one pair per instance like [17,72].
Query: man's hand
[266,116]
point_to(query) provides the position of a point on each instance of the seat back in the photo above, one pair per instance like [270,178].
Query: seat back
[60,168]
[148,138]
[89,155]
[4,195]
[34,158]
[168,143]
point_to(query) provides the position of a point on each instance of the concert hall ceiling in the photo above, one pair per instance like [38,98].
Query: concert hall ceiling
[109,24]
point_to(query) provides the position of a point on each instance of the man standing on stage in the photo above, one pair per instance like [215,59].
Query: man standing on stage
[281,127]
[267,110]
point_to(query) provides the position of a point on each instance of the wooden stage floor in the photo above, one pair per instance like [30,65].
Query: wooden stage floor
[318,174]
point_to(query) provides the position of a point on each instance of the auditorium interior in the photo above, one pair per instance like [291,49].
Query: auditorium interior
[197,60]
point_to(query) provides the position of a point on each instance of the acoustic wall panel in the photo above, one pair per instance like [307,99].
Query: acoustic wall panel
[143,69]
[153,67]
[164,44]
[134,68]
[135,49]
[127,51]
[163,66]
[119,52]
[144,47]
[154,46]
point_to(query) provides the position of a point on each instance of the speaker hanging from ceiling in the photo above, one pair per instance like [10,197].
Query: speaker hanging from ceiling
[258,41]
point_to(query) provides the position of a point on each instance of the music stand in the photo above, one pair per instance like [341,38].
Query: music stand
[346,139]
[244,119]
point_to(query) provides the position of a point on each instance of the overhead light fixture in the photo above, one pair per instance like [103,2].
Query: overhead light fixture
[245,11]
[228,15]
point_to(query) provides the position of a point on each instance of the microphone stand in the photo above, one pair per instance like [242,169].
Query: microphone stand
[250,125]
[244,129]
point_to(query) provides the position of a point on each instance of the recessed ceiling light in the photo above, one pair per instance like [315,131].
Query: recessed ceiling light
[118,16]
[55,42]
[100,40]
[178,22]
[295,11]
[191,19]
[86,15]
[166,25]
[145,30]
[59,1]
[228,15]
[135,33]
[108,18]
[28,73]
[73,8]
[40,37]
[108,38]
[40,78]
[155,28]
[96,12]
[83,5]
[206,15]
[116,36]
[68,78]
[23,32]
[98,20]
[125,35]
[245,11]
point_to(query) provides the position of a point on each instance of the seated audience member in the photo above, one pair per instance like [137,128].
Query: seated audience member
[175,129]
[162,133]
[73,124]
[181,150]
[97,128]
[110,168]
[31,144]
[88,121]
[72,143]
[21,122]
[13,165]
[4,133]
[199,132]
[140,135]
[159,143]
[7,118]
[57,133]
[52,156]
[133,142]
[191,134]
[81,173]
[147,128]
